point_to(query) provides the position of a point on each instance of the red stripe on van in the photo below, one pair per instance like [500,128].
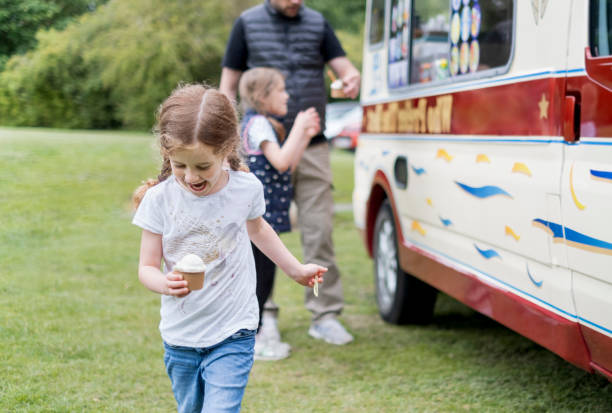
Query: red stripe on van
[530,108]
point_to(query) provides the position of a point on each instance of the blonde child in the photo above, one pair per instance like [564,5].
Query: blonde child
[197,206]
[263,96]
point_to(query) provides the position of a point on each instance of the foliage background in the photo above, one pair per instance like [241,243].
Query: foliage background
[111,67]
[21,19]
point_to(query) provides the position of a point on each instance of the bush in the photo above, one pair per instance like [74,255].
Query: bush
[113,67]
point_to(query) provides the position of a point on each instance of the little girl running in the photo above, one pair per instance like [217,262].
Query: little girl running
[263,96]
[197,206]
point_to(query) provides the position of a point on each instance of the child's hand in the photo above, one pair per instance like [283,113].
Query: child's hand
[309,122]
[176,285]
[309,274]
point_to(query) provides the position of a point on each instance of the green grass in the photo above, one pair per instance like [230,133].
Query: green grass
[78,333]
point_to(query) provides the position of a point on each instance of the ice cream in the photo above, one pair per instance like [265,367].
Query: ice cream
[337,89]
[192,269]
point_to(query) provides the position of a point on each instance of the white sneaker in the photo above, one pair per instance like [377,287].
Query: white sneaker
[269,328]
[270,350]
[331,331]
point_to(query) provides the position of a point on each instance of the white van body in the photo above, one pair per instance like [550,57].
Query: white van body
[492,182]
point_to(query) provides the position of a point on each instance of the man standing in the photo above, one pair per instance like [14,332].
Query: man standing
[299,42]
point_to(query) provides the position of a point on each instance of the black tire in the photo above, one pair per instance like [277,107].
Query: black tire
[401,297]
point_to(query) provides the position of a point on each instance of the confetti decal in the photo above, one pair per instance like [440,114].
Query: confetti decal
[536,283]
[416,226]
[418,171]
[510,231]
[488,254]
[521,168]
[483,191]
[481,157]
[579,205]
[444,155]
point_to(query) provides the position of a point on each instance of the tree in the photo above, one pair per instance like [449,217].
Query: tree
[113,67]
[21,19]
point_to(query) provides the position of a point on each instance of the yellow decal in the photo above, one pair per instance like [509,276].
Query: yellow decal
[510,231]
[481,157]
[410,116]
[571,184]
[444,155]
[429,202]
[543,104]
[521,168]
[417,227]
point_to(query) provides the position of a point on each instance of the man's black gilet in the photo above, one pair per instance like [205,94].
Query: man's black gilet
[292,45]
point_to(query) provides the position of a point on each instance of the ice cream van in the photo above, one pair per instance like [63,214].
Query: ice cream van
[484,166]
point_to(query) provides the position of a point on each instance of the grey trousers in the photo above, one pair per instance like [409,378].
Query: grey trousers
[312,186]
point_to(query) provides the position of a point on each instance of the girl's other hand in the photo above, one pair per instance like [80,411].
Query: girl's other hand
[309,121]
[175,285]
[308,273]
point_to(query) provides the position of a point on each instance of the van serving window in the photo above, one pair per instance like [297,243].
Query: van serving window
[600,30]
[448,38]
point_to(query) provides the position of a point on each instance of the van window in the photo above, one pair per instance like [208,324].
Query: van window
[451,38]
[399,27]
[600,30]
[430,41]
[377,21]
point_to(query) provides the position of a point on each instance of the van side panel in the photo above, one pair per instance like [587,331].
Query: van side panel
[499,210]
[587,192]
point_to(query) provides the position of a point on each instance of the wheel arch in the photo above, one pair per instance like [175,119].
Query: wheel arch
[379,192]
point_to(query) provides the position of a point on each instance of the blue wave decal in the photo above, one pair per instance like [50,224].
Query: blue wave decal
[553,229]
[582,239]
[574,238]
[385,152]
[483,191]
[607,175]
[536,283]
[446,222]
[488,254]
[418,171]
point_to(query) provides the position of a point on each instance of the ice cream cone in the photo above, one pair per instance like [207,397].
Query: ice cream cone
[192,268]
[195,280]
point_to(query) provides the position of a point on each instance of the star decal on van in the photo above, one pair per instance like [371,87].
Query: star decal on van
[543,104]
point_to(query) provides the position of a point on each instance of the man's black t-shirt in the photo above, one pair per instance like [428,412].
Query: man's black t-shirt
[236,53]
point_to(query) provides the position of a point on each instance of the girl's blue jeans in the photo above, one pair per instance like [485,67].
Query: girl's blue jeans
[211,379]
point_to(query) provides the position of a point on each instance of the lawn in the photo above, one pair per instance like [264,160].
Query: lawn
[78,333]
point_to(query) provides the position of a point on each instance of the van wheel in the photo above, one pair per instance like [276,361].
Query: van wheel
[401,297]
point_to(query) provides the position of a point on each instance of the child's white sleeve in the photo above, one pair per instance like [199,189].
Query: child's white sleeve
[148,215]
[260,131]
[258,202]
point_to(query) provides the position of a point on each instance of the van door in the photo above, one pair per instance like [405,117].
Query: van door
[587,174]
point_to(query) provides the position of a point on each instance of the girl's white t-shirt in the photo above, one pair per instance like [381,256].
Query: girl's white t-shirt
[214,228]
[259,131]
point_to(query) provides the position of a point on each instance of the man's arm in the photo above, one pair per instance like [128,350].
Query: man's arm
[335,57]
[229,82]
[234,61]
[349,74]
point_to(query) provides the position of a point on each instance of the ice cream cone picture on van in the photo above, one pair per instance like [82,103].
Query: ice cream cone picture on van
[491,175]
